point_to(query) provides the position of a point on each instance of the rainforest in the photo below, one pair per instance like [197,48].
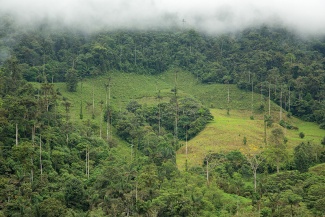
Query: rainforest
[161,122]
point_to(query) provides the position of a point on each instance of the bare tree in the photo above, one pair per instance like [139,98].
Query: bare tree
[210,163]
[254,161]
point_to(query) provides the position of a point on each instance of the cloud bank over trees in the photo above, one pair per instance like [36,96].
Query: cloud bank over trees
[211,16]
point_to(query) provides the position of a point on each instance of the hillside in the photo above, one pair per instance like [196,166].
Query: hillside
[99,124]
[126,87]
[269,60]
[224,134]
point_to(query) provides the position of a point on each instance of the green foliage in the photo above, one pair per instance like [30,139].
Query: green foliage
[52,207]
[269,121]
[74,194]
[71,78]
[261,60]
[287,125]
[301,135]
[44,166]
[277,153]
[192,118]
[303,157]
[244,140]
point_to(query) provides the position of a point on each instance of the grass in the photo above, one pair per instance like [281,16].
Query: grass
[226,133]
[223,134]
[143,88]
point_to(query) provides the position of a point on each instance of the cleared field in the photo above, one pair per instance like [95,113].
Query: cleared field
[225,133]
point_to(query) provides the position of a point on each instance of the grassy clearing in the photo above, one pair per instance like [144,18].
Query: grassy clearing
[226,133]
[143,88]
[223,134]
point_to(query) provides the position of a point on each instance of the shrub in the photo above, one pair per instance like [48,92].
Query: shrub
[301,135]
[287,125]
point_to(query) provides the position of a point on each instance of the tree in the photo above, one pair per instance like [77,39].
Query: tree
[12,75]
[71,78]
[23,154]
[254,158]
[211,160]
[292,199]
[276,152]
[52,207]
[74,194]
[303,156]
[301,135]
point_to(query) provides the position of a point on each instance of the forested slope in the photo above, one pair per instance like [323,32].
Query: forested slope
[259,58]
[60,158]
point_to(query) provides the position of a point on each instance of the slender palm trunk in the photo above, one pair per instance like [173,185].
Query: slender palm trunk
[207,172]
[40,156]
[269,100]
[255,177]
[252,97]
[93,110]
[16,134]
[281,104]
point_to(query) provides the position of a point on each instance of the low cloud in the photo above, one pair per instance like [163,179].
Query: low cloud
[211,16]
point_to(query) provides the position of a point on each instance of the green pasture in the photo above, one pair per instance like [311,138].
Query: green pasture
[233,120]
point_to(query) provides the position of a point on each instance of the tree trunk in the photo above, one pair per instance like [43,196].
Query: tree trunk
[176,112]
[135,55]
[265,129]
[289,99]
[207,172]
[31,172]
[101,120]
[281,104]
[159,115]
[33,134]
[107,127]
[159,121]
[93,111]
[252,97]
[269,100]
[255,185]
[228,98]
[16,134]
[109,94]
[186,144]
[86,162]
[40,155]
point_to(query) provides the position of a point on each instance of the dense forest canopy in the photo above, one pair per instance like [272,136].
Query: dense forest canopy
[53,166]
[262,57]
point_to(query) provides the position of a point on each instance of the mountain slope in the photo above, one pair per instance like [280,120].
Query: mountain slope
[225,133]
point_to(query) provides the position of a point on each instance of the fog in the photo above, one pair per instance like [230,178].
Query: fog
[212,16]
